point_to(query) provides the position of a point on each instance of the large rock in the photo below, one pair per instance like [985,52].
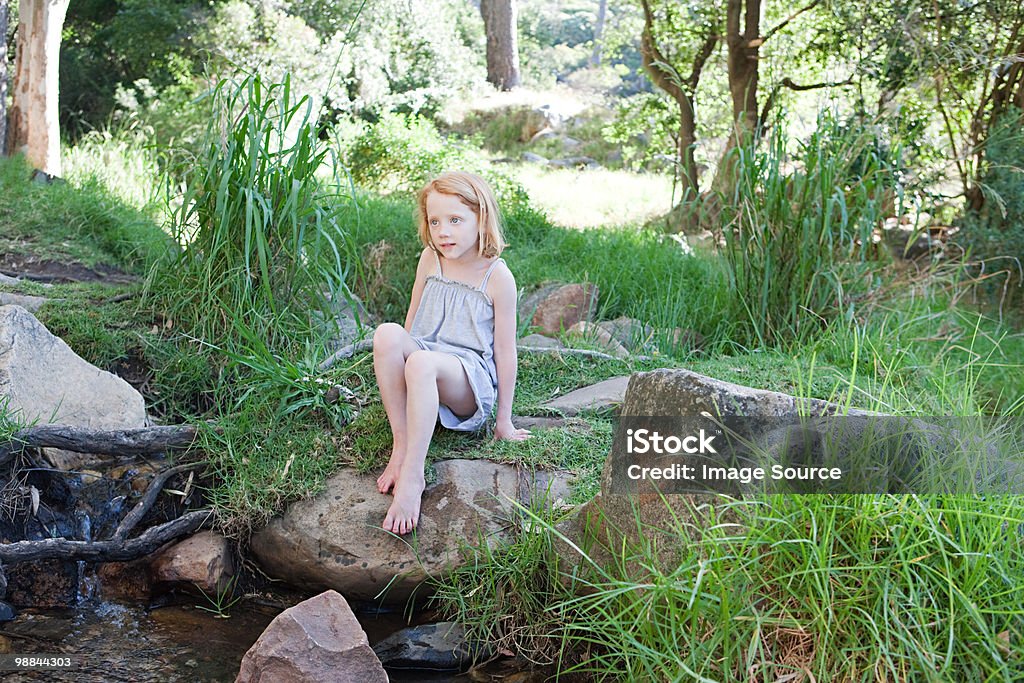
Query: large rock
[43,380]
[878,453]
[608,521]
[203,560]
[554,308]
[316,640]
[336,541]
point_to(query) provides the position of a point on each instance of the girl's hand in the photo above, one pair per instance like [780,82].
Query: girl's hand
[504,429]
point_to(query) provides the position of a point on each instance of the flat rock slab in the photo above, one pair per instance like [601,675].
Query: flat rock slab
[335,540]
[29,303]
[530,422]
[601,397]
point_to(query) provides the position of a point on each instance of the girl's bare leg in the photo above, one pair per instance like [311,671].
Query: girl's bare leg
[392,345]
[431,378]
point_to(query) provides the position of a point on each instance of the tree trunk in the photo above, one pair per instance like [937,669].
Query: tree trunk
[34,124]
[3,76]
[602,13]
[500,18]
[743,43]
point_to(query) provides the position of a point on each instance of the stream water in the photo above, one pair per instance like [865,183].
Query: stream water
[123,641]
[108,641]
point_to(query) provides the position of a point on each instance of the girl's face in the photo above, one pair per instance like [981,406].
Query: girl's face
[454,227]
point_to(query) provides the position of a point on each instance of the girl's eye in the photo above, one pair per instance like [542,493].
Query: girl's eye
[433,221]
[455,219]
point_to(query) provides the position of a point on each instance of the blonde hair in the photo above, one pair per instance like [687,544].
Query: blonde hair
[475,193]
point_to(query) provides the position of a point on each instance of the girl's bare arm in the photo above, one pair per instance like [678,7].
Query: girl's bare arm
[502,290]
[425,267]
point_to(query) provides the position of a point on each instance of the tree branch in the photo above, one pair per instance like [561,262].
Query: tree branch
[701,59]
[788,83]
[781,25]
[661,72]
[142,507]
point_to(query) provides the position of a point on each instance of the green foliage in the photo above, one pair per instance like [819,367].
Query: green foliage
[393,55]
[995,235]
[402,152]
[261,244]
[799,243]
[107,44]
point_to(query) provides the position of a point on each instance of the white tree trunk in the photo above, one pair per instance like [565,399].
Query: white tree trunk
[34,123]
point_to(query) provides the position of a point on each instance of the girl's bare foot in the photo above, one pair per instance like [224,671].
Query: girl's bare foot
[404,512]
[390,477]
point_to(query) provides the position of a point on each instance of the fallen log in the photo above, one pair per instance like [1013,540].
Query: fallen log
[114,550]
[124,442]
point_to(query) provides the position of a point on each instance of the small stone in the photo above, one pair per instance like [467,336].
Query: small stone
[29,303]
[436,647]
[599,337]
[539,341]
[203,560]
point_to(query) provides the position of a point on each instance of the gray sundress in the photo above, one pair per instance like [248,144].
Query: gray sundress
[455,318]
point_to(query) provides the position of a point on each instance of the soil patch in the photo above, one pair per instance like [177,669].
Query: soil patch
[32,267]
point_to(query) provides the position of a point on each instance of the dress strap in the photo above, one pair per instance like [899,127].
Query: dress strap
[487,275]
[437,260]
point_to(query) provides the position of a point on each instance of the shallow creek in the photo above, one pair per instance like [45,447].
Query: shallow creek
[108,641]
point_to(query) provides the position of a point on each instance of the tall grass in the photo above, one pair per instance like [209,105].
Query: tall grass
[261,245]
[796,588]
[798,236]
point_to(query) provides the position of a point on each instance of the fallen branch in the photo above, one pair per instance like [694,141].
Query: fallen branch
[142,441]
[142,507]
[106,551]
[578,352]
[361,346]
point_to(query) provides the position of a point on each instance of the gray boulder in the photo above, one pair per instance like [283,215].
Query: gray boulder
[592,333]
[44,381]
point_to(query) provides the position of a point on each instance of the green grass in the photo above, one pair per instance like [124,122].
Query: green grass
[80,221]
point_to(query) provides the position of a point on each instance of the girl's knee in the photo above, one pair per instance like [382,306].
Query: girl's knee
[388,336]
[420,365]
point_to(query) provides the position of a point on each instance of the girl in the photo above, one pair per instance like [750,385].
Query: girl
[456,353]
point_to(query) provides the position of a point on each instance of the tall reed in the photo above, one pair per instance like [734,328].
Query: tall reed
[260,240]
[798,235]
